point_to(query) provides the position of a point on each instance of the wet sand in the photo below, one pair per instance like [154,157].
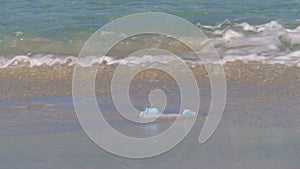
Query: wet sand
[259,128]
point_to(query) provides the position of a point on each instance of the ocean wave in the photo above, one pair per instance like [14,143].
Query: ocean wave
[269,43]
[289,59]
[230,31]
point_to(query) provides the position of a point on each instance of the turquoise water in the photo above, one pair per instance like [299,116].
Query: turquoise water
[240,30]
[71,19]
[251,30]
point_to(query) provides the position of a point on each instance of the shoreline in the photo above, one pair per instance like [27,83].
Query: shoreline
[56,80]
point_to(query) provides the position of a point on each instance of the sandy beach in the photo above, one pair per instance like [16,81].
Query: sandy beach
[260,125]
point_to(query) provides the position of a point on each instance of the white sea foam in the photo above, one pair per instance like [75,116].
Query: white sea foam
[290,59]
[268,43]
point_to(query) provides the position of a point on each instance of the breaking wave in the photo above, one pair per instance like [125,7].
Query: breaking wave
[269,43]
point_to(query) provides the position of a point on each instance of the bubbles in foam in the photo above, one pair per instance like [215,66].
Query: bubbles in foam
[268,43]
[231,34]
[291,59]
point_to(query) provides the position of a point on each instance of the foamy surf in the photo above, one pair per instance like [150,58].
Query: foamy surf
[284,58]
[152,113]
[269,43]
[273,42]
